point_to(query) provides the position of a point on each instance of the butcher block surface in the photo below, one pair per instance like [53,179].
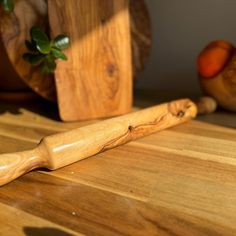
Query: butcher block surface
[181,181]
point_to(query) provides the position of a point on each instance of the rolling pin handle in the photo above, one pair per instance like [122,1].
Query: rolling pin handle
[16,164]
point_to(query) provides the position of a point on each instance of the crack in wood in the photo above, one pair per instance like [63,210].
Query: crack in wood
[134,132]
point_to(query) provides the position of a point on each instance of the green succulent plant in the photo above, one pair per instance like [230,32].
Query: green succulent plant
[45,52]
[8,5]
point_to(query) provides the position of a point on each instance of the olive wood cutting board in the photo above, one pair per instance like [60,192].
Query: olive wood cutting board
[15,29]
[96,80]
[180,181]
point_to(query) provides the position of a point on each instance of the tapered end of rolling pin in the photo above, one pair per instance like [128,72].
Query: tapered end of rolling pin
[16,164]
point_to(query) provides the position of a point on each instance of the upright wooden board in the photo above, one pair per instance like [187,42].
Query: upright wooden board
[9,79]
[15,29]
[140,24]
[141,46]
[96,81]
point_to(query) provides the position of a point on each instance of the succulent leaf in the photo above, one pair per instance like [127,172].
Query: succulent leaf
[61,41]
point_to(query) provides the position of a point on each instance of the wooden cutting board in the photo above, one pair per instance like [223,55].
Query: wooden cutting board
[15,29]
[96,80]
[141,36]
[181,181]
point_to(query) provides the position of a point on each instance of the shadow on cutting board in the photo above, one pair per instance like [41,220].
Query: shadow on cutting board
[33,231]
[38,106]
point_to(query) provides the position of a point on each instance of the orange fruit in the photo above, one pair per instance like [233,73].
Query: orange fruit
[213,58]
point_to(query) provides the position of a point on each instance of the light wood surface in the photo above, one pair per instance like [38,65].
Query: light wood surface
[15,28]
[29,224]
[62,149]
[176,182]
[96,81]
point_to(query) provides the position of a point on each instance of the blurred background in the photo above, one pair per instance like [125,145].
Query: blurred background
[181,28]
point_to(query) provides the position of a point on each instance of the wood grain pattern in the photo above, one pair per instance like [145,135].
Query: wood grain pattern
[22,224]
[96,81]
[152,186]
[62,149]
[10,80]
[140,24]
[15,29]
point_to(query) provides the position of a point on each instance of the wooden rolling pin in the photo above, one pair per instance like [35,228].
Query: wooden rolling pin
[62,149]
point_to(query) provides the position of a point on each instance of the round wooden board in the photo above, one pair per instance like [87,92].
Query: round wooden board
[141,35]
[15,29]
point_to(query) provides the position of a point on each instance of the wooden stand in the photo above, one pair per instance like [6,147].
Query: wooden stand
[96,81]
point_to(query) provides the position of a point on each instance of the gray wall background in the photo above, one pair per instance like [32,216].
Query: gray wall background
[181,28]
